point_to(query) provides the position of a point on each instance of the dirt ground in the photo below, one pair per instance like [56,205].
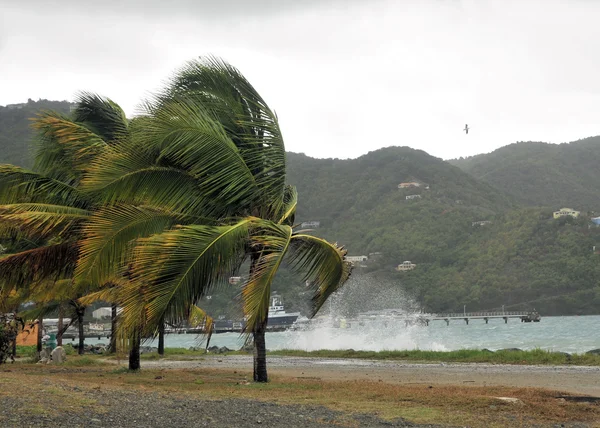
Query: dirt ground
[573,379]
[217,391]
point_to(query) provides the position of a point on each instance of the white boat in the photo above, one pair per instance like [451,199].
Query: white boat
[278,317]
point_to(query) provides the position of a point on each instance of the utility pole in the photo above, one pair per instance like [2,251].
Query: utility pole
[464,309]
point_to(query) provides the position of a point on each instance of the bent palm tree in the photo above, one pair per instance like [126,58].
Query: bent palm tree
[210,158]
[47,206]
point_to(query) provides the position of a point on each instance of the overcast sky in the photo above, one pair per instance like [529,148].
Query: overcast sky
[345,77]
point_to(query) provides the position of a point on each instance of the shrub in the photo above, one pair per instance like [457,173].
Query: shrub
[9,329]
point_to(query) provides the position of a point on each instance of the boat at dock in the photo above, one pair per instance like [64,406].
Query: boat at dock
[279,319]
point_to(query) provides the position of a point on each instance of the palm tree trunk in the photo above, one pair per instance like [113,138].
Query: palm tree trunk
[134,353]
[112,347]
[40,334]
[80,313]
[161,338]
[59,334]
[260,353]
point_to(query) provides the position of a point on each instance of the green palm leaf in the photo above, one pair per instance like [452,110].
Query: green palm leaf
[51,261]
[272,244]
[43,220]
[322,264]
[65,147]
[110,233]
[178,267]
[19,185]
[101,115]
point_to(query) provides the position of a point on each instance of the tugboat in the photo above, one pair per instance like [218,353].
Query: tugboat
[278,318]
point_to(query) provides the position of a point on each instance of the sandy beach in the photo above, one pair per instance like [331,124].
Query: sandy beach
[573,379]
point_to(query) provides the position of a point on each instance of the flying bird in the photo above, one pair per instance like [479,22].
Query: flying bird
[466,129]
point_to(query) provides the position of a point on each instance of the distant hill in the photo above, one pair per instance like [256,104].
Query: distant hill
[522,259]
[15,133]
[540,174]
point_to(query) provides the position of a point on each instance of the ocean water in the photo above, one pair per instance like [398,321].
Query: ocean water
[574,334]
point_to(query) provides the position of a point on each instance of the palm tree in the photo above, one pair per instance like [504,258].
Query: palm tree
[206,171]
[46,208]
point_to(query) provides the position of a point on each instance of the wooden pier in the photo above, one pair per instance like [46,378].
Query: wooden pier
[524,316]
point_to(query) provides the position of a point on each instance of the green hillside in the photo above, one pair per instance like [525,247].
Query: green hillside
[523,259]
[540,174]
[15,133]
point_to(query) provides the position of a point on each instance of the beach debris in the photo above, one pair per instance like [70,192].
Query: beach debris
[58,355]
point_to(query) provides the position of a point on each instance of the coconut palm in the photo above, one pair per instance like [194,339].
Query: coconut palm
[207,165]
[46,208]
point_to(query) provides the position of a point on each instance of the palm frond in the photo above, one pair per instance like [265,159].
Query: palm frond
[65,147]
[109,235]
[43,220]
[101,115]
[191,139]
[19,185]
[288,208]
[272,244]
[133,177]
[47,262]
[322,265]
[109,292]
[200,318]
[249,122]
[180,266]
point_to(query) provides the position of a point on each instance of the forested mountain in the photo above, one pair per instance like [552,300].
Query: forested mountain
[540,174]
[522,259]
[15,132]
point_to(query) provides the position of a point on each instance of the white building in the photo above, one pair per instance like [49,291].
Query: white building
[310,224]
[104,313]
[406,265]
[235,280]
[480,223]
[564,212]
[409,184]
[356,259]
[409,197]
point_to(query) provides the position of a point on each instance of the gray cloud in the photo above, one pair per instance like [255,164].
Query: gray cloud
[345,77]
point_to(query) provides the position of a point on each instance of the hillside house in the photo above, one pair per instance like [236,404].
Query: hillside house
[564,212]
[410,197]
[356,259]
[15,106]
[310,224]
[409,184]
[235,280]
[480,223]
[595,220]
[405,266]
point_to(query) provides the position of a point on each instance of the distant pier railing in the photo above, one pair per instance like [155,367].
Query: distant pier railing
[524,316]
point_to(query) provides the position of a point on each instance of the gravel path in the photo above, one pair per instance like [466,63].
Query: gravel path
[139,409]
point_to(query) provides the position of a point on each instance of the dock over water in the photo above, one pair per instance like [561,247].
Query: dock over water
[524,316]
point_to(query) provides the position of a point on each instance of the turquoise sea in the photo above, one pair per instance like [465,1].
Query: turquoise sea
[573,334]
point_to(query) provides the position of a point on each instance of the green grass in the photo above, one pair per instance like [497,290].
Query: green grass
[536,356]
[82,361]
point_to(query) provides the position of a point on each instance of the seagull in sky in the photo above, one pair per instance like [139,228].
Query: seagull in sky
[466,129]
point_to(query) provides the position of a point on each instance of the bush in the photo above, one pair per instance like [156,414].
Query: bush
[9,329]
